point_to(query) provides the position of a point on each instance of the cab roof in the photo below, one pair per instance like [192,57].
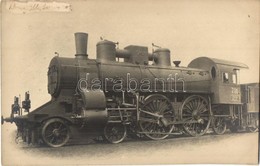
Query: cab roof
[219,62]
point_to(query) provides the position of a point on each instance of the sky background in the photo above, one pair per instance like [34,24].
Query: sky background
[215,28]
[221,29]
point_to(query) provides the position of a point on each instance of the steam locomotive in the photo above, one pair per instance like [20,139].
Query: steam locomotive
[131,92]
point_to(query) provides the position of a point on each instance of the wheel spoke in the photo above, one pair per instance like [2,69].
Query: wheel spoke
[189,105]
[189,109]
[187,113]
[154,104]
[187,119]
[203,110]
[201,107]
[165,113]
[148,107]
[197,104]
[47,136]
[194,104]
[55,125]
[163,107]
[158,103]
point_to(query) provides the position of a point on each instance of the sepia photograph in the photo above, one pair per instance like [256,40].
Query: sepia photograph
[120,82]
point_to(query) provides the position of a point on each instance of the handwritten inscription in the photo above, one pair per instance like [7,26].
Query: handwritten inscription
[35,6]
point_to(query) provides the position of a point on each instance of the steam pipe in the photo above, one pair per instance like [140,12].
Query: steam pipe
[122,53]
[126,54]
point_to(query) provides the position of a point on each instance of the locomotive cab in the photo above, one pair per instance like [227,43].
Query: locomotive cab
[224,79]
[227,105]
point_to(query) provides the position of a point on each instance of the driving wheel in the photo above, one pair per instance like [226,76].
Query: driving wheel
[155,116]
[195,114]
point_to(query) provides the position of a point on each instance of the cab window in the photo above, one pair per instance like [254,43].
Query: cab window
[234,78]
[213,73]
[225,78]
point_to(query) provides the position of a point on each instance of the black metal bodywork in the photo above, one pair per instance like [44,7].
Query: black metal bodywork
[112,98]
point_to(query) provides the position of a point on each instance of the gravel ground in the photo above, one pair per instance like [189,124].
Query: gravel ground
[228,148]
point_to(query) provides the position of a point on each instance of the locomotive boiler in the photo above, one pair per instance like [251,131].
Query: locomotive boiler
[133,92]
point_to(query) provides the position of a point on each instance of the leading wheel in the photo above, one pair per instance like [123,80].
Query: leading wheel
[219,125]
[55,132]
[195,113]
[155,116]
[115,132]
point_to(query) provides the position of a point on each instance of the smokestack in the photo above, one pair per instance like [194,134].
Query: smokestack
[81,41]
